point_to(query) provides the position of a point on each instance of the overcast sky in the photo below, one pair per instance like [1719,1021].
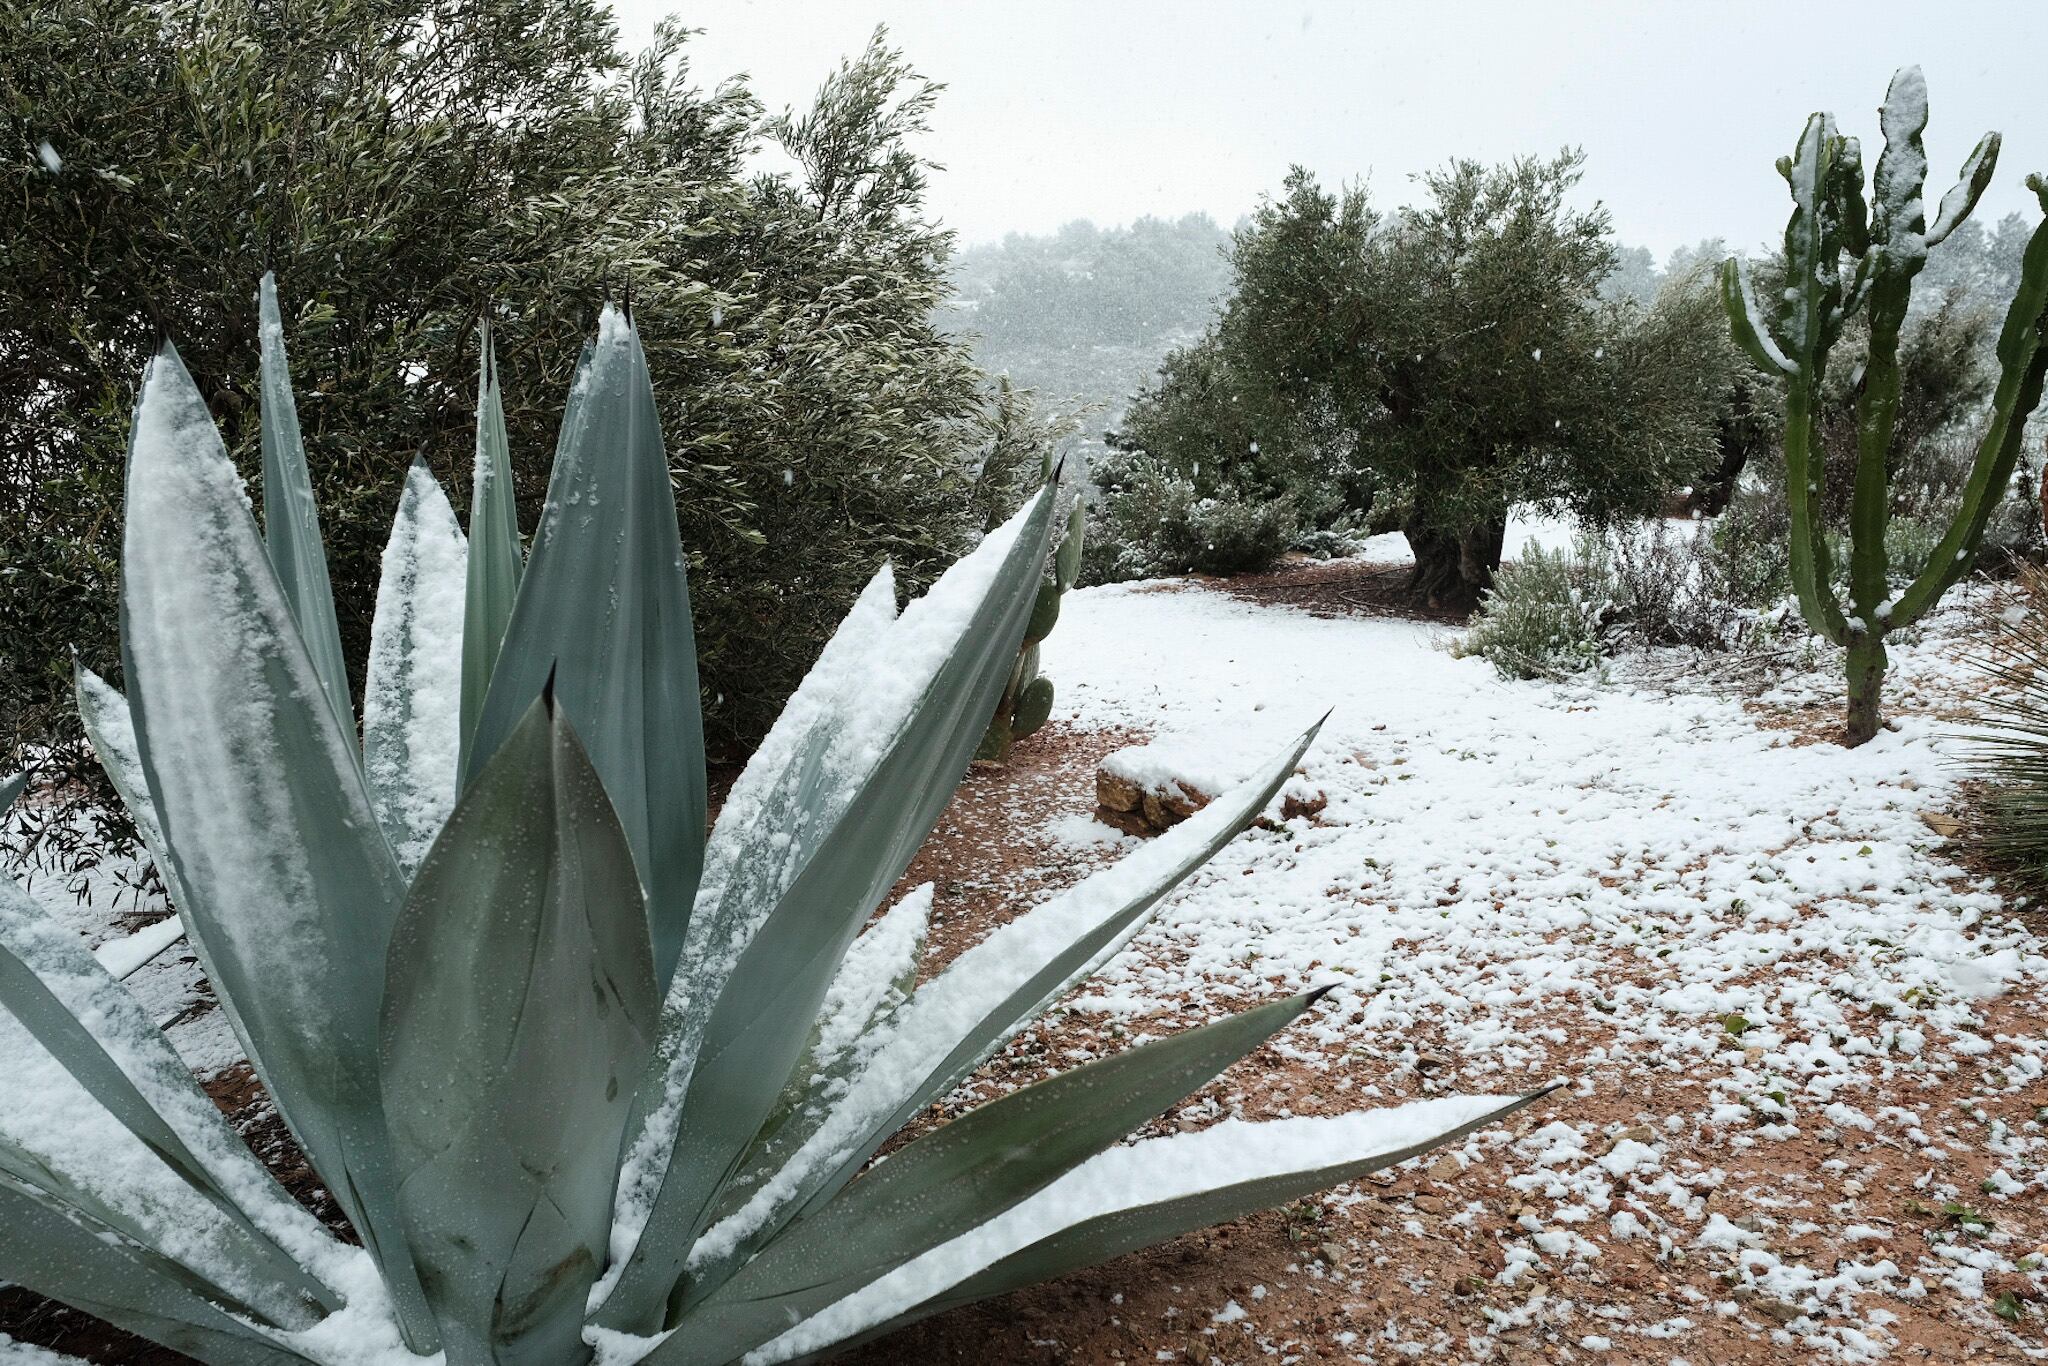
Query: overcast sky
[1111,110]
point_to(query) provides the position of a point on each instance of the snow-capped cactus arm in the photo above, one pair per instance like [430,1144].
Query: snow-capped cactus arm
[1746,320]
[291,519]
[1135,1196]
[603,608]
[906,741]
[1962,197]
[2022,368]
[289,885]
[960,1176]
[412,694]
[989,993]
[81,1016]
[70,1257]
[520,1011]
[494,560]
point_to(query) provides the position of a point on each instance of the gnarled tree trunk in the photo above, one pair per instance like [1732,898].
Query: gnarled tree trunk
[1452,568]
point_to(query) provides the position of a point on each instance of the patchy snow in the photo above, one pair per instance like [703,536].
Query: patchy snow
[121,957]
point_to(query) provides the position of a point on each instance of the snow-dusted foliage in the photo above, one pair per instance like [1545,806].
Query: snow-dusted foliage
[450,950]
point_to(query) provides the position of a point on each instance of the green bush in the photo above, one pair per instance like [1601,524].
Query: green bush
[1545,614]
[820,422]
[1150,520]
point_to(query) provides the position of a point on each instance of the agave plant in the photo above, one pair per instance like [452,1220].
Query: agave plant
[585,1085]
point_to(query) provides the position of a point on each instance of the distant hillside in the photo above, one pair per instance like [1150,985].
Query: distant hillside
[1086,314]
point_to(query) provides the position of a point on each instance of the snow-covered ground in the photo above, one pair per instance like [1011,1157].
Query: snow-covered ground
[1731,944]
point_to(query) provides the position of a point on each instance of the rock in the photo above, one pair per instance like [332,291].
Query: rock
[1145,807]
[1332,1253]
[1169,806]
[1469,1286]
[1130,822]
[1430,1204]
[1778,1311]
[1446,1168]
[1115,792]
[1948,827]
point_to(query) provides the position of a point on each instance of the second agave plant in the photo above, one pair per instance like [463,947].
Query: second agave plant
[585,1084]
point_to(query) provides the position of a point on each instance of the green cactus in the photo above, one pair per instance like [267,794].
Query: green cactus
[1027,701]
[1842,256]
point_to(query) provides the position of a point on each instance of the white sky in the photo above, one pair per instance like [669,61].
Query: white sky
[1058,109]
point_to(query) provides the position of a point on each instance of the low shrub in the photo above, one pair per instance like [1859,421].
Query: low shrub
[1546,613]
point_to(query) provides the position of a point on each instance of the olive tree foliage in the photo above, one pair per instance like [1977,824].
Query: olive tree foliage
[405,167]
[1457,358]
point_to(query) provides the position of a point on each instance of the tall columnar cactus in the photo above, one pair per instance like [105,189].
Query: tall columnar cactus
[1027,700]
[1842,256]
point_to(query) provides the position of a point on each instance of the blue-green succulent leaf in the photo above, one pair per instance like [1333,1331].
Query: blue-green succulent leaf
[886,764]
[291,519]
[494,556]
[412,696]
[604,608]
[288,885]
[520,1012]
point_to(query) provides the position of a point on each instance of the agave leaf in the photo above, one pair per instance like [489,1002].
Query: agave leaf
[494,562]
[110,728]
[604,608]
[521,1009]
[1140,1195]
[412,697]
[291,519]
[70,1257]
[287,884]
[82,1018]
[56,1138]
[959,1018]
[878,975]
[948,657]
[10,791]
[962,1175]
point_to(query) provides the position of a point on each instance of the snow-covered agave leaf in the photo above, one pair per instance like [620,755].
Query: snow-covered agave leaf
[10,791]
[494,563]
[291,519]
[520,1011]
[1140,1195]
[110,728]
[84,1020]
[959,1176]
[895,762]
[67,1256]
[959,1018]
[412,696]
[876,978]
[604,607]
[58,1140]
[288,885]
